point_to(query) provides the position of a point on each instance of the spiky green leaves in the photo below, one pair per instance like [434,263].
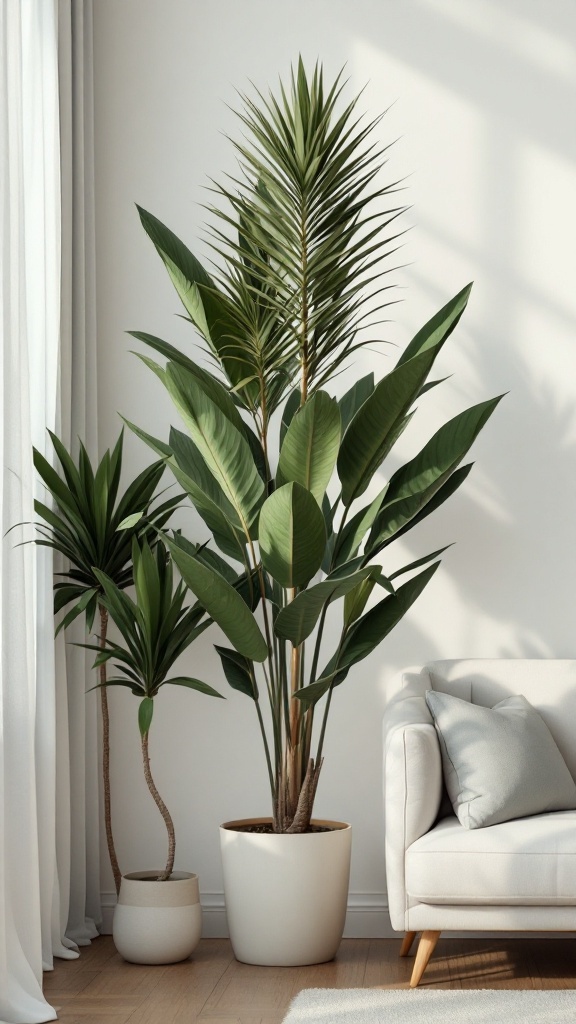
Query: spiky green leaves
[302,250]
[87,515]
[156,628]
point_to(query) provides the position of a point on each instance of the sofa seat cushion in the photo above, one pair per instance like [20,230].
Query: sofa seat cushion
[528,861]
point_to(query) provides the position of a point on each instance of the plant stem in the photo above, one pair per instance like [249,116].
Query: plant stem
[324,723]
[318,644]
[106,753]
[266,750]
[163,811]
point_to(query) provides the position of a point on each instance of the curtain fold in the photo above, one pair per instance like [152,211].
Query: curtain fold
[48,776]
[78,402]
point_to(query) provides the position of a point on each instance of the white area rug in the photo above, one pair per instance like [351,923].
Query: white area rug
[401,1006]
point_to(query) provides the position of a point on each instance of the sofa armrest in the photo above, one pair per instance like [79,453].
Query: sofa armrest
[412,791]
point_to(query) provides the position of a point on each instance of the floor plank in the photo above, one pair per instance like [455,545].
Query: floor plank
[213,988]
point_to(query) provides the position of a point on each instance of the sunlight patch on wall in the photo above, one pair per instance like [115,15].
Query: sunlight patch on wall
[438,152]
[536,43]
[546,196]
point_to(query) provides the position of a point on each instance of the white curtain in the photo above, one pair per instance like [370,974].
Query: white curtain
[43,874]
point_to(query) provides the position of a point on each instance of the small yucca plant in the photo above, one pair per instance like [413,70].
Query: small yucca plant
[84,525]
[156,629]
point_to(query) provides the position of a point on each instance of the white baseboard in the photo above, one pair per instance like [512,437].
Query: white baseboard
[366,918]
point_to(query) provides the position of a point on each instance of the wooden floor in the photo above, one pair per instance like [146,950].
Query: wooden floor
[213,988]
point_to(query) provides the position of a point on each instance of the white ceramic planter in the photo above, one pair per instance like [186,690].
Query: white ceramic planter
[286,895]
[157,922]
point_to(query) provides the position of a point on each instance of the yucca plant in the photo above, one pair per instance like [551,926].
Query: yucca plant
[83,525]
[300,242]
[156,629]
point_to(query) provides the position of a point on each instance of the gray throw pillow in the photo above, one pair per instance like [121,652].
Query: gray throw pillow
[499,763]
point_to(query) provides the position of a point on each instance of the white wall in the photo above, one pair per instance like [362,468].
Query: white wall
[484,100]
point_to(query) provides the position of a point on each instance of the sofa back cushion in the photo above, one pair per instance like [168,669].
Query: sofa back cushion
[499,763]
[549,685]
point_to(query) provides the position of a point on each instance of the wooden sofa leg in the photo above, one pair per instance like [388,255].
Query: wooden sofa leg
[426,947]
[407,943]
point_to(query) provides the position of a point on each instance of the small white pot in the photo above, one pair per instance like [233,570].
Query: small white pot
[157,922]
[286,895]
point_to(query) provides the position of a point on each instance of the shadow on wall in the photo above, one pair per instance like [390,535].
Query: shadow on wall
[514,517]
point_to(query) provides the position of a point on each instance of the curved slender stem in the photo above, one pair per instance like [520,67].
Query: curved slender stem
[106,753]
[163,811]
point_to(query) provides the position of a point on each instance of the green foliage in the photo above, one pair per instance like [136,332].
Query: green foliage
[155,629]
[303,257]
[92,526]
[292,535]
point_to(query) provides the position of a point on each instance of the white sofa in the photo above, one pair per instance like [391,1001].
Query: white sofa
[515,876]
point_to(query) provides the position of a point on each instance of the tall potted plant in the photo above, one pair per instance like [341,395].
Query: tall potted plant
[157,919]
[300,242]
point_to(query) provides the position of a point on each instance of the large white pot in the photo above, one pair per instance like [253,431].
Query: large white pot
[157,922]
[286,895]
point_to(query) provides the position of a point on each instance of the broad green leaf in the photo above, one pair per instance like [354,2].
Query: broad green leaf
[328,513]
[209,384]
[419,562]
[454,481]
[354,398]
[290,409]
[208,308]
[356,601]
[214,560]
[164,348]
[349,541]
[158,446]
[229,539]
[224,449]
[130,521]
[292,535]
[145,712]
[443,452]
[366,634]
[226,337]
[396,515]
[439,327]
[257,451]
[310,449]
[183,268]
[298,618]
[222,603]
[375,426]
[190,460]
[311,694]
[431,384]
[239,671]
[193,684]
